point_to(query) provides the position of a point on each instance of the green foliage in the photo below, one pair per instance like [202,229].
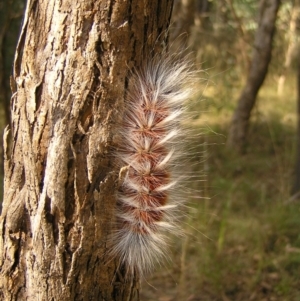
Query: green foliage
[228,44]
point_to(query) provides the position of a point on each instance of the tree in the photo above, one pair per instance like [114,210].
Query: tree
[72,65]
[257,73]
[292,47]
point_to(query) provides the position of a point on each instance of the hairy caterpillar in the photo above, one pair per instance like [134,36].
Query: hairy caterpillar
[151,133]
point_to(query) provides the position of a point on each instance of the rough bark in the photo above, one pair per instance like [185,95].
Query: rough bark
[257,73]
[72,67]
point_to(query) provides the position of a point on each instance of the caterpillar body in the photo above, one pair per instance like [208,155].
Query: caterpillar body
[151,133]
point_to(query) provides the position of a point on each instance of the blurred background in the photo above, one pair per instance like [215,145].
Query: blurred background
[242,237]
[242,225]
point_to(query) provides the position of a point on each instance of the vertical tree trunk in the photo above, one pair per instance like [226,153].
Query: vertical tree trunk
[257,73]
[72,67]
[292,44]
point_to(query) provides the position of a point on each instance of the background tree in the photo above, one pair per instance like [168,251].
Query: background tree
[71,70]
[292,44]
[257,73]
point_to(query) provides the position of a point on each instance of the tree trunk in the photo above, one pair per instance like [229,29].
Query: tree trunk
[72,66]
[292,45]
[257,73]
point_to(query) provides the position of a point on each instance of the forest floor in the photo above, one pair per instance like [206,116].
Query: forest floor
[242,237]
